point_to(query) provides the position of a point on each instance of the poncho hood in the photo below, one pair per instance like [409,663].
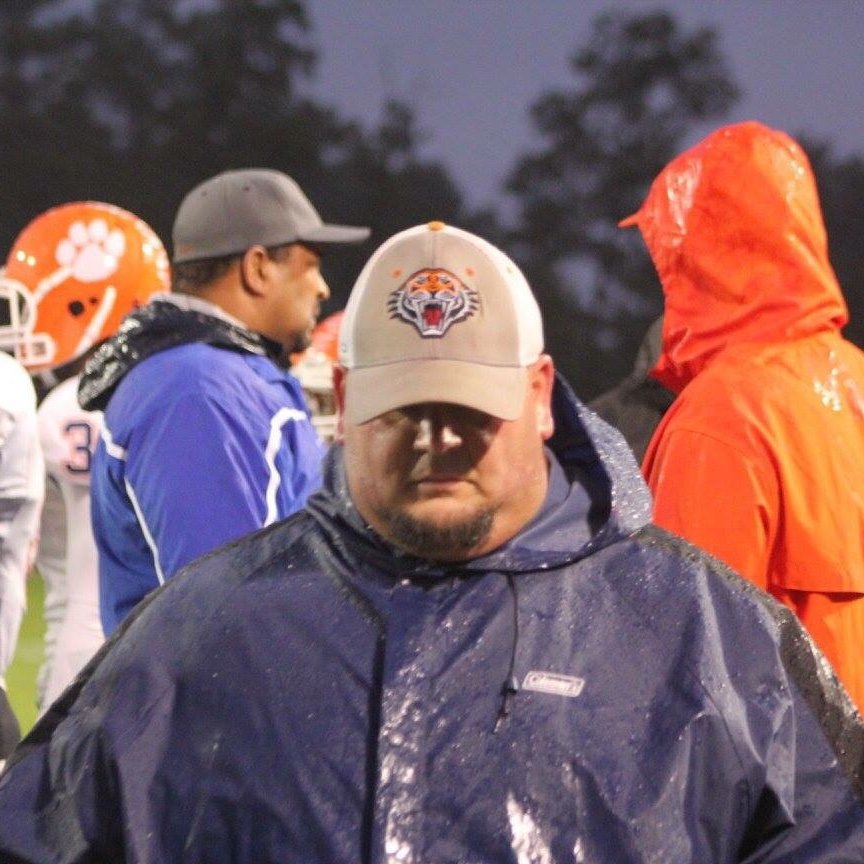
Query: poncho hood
[607,500]
[735,231]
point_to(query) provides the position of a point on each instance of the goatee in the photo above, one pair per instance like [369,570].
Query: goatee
[436,541]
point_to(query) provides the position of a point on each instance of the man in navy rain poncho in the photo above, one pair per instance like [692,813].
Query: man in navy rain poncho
[470,646]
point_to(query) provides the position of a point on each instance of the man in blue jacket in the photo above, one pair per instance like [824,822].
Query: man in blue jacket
[207,436]
[470,646]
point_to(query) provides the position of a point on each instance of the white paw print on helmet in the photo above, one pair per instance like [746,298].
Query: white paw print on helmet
[91,251]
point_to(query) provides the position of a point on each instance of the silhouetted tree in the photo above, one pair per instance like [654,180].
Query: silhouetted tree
[134,101]
[156,95]
[51,146]
[642,84]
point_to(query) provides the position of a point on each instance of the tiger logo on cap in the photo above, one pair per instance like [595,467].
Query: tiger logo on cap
[433,300]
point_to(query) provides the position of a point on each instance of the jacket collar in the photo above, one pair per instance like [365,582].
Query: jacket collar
[165,322]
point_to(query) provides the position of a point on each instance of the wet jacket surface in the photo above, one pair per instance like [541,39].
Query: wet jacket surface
[324,699]
[759,460]
[205,438]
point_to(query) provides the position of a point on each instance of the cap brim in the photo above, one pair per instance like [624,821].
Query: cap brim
[336,234]
[496,390]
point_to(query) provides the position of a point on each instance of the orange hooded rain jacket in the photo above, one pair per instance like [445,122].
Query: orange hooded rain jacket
[760,460]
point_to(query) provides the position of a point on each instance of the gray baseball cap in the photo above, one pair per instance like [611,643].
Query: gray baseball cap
[241,208]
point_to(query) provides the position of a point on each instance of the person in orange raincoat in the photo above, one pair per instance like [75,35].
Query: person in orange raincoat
[760,459]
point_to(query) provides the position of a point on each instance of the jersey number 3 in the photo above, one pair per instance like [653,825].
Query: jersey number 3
[80,438]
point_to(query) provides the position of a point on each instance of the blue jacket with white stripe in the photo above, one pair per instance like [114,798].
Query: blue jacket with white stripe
[594,690]
[203,441]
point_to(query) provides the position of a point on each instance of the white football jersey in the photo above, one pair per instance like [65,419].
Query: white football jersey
[22,481]
[67,556]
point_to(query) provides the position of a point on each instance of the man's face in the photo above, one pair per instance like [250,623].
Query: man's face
[295,301]
[449,483]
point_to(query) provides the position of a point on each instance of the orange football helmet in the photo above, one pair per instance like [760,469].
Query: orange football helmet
[314,368]
[71,276]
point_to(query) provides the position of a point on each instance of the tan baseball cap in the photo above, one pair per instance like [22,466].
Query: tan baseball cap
[249,206]
[439,315]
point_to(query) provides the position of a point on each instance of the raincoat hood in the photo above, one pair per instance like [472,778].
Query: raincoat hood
[607,500]
[735,231]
